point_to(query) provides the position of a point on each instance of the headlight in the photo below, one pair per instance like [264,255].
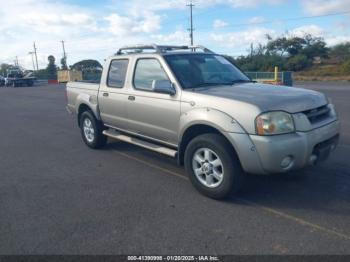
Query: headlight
[274,123]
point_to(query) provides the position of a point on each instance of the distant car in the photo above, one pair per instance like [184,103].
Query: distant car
[2,81]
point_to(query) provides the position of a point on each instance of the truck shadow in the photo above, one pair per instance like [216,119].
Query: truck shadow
[320,188]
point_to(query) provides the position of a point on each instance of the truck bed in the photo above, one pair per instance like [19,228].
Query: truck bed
[79,91]
[83,85]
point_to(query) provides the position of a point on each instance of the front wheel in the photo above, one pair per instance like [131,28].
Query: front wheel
[212,166]
[91,131]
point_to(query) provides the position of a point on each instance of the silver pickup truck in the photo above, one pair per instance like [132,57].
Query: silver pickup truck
[194,105]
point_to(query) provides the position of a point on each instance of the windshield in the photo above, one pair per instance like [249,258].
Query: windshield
[199,70]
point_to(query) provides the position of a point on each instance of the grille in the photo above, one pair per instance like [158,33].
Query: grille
[317,114]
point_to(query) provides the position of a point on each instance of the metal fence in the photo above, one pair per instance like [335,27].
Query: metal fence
[285,77]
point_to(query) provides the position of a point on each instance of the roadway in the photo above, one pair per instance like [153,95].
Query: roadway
[59,197]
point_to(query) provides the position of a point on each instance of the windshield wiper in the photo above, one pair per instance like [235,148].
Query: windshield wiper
[242,81]
[208,85]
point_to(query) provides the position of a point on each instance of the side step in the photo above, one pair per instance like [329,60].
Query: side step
[138,142]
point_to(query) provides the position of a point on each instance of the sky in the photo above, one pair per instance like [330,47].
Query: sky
[95,29]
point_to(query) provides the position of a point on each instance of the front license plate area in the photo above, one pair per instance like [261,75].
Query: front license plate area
[323,149]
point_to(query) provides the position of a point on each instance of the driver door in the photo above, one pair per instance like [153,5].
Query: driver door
[151,114]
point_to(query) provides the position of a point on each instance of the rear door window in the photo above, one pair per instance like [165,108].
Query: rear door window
[117,73]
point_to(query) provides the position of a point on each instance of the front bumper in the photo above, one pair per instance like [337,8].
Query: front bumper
[283,153]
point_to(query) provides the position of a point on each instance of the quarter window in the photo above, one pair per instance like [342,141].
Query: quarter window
[146,71]
[117,73]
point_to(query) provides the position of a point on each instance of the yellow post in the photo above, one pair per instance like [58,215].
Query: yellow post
[276,74]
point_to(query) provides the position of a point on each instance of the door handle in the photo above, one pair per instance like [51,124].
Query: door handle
[105,94]
[131,98]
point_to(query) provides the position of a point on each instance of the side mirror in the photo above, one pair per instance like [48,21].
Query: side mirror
[164,87]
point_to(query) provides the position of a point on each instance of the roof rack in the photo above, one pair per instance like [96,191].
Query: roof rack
[160,49]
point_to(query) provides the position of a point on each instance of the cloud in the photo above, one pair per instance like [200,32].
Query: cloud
[308,29]
[48,19]
[86,32]
[243,39]
[253,3]
[218,23]
[157,5]
[329,36]
[97,31]
[334,40]
[179,37]
[256,20]
[321,7]
[123,25]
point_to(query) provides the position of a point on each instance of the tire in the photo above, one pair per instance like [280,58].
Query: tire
[91,131]
[226,175]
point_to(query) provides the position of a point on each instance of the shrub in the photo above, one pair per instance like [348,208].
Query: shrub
[298,62]
[346,67]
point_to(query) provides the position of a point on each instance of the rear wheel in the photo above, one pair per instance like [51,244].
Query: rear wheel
[212,166]
[91,131]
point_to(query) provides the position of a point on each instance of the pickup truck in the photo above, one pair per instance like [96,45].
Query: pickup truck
[196,106]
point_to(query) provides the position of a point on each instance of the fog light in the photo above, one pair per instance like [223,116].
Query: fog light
[287,162]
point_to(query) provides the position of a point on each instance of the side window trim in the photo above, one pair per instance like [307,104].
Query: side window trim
[109,70]
[134,72]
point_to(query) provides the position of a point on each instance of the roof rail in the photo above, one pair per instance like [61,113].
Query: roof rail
[159,49]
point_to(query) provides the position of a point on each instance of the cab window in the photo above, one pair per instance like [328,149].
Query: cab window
[146,71]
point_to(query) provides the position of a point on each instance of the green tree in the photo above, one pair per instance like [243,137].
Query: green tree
[51,68]
[314,46]
[284,46]
[340,52]
[277,46]
[64,63]
[3,68]
[92,69]
[298,62]
[89,64]
[295,45]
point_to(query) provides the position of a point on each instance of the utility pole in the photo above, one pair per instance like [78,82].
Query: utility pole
[64,51]
[36,57]
[16,61]
[191,5]
[32,53]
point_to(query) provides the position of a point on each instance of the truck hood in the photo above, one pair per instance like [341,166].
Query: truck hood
[269,97]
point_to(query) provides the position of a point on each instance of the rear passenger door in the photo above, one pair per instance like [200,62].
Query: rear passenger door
[152,114]
[112,96]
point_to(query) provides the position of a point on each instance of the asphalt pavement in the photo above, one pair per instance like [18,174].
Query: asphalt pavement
[59,197]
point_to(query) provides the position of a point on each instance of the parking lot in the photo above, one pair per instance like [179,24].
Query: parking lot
[59,197]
